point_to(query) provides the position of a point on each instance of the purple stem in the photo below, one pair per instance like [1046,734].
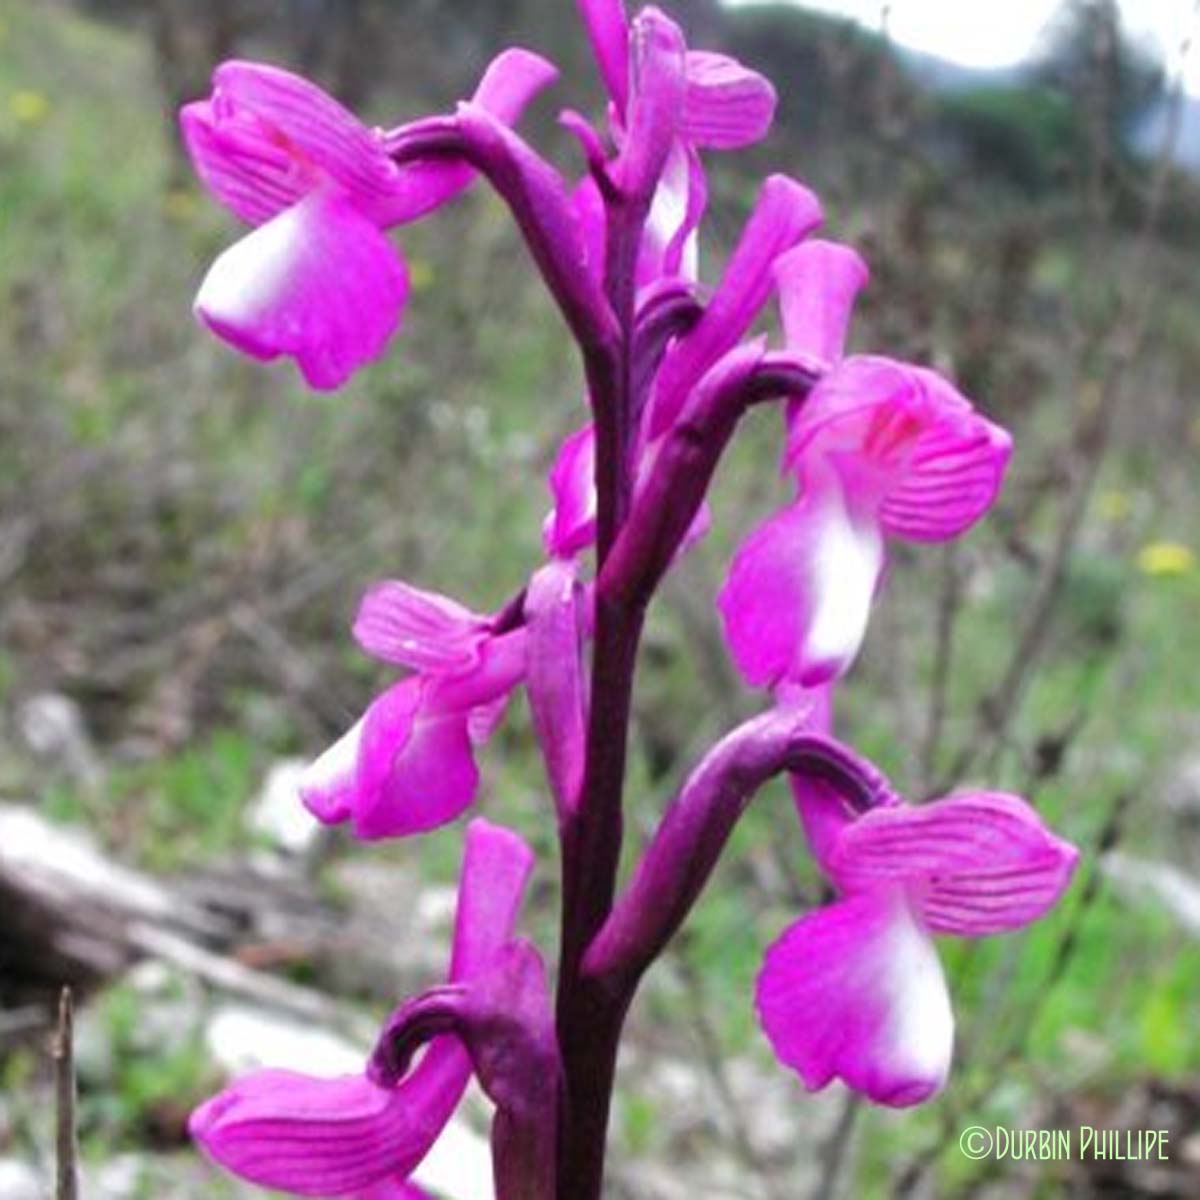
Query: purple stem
[613,404]
[592,1006]
[587,1019]
[695,829]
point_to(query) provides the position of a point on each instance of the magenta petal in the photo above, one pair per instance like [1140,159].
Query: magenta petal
[727,105]
[310,124]
[975,864]
[555,681]
[796,601]
[242,164]
[513,78]
[785,212]
[401,624]
[855,991]
[656,104]
[496,868]
[954,476]
[416,765]
[817,283]
[429,781]
[382,734]
[400,770]
[608,32]
[319,282]
[571,525]
[591,219]
[501,668]
[330,1137]
[934,463]
[267,138]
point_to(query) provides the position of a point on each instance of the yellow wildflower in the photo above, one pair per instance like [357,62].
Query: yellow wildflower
[180,204]
[28,107]
[1166,558]
[420,274]
[1115,505]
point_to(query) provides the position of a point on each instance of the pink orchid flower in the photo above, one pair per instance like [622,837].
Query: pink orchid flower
[557,618]
[666,103]
[879,449]
[855,990]
[317,279]
[349,1136]
[408,764]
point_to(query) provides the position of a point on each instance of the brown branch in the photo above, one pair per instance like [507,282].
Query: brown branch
[66,1185]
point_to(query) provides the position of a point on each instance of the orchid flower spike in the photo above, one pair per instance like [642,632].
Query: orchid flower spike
[317,279]
[408,765]
[349,1136]
[879,449]
[855,990]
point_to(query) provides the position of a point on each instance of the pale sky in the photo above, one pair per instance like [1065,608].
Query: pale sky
[1000,33]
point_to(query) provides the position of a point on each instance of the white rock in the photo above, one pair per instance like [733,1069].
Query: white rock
[121,1178]
[241,1038]
[278,813]
[435,909]
[459,1165]
[47,860]
[54,729]
[18,1181]
[151,977]
[1182,792]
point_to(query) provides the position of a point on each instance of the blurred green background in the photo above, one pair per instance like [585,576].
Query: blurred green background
[184,536]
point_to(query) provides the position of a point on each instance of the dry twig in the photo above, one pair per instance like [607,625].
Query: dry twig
[66,1185]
